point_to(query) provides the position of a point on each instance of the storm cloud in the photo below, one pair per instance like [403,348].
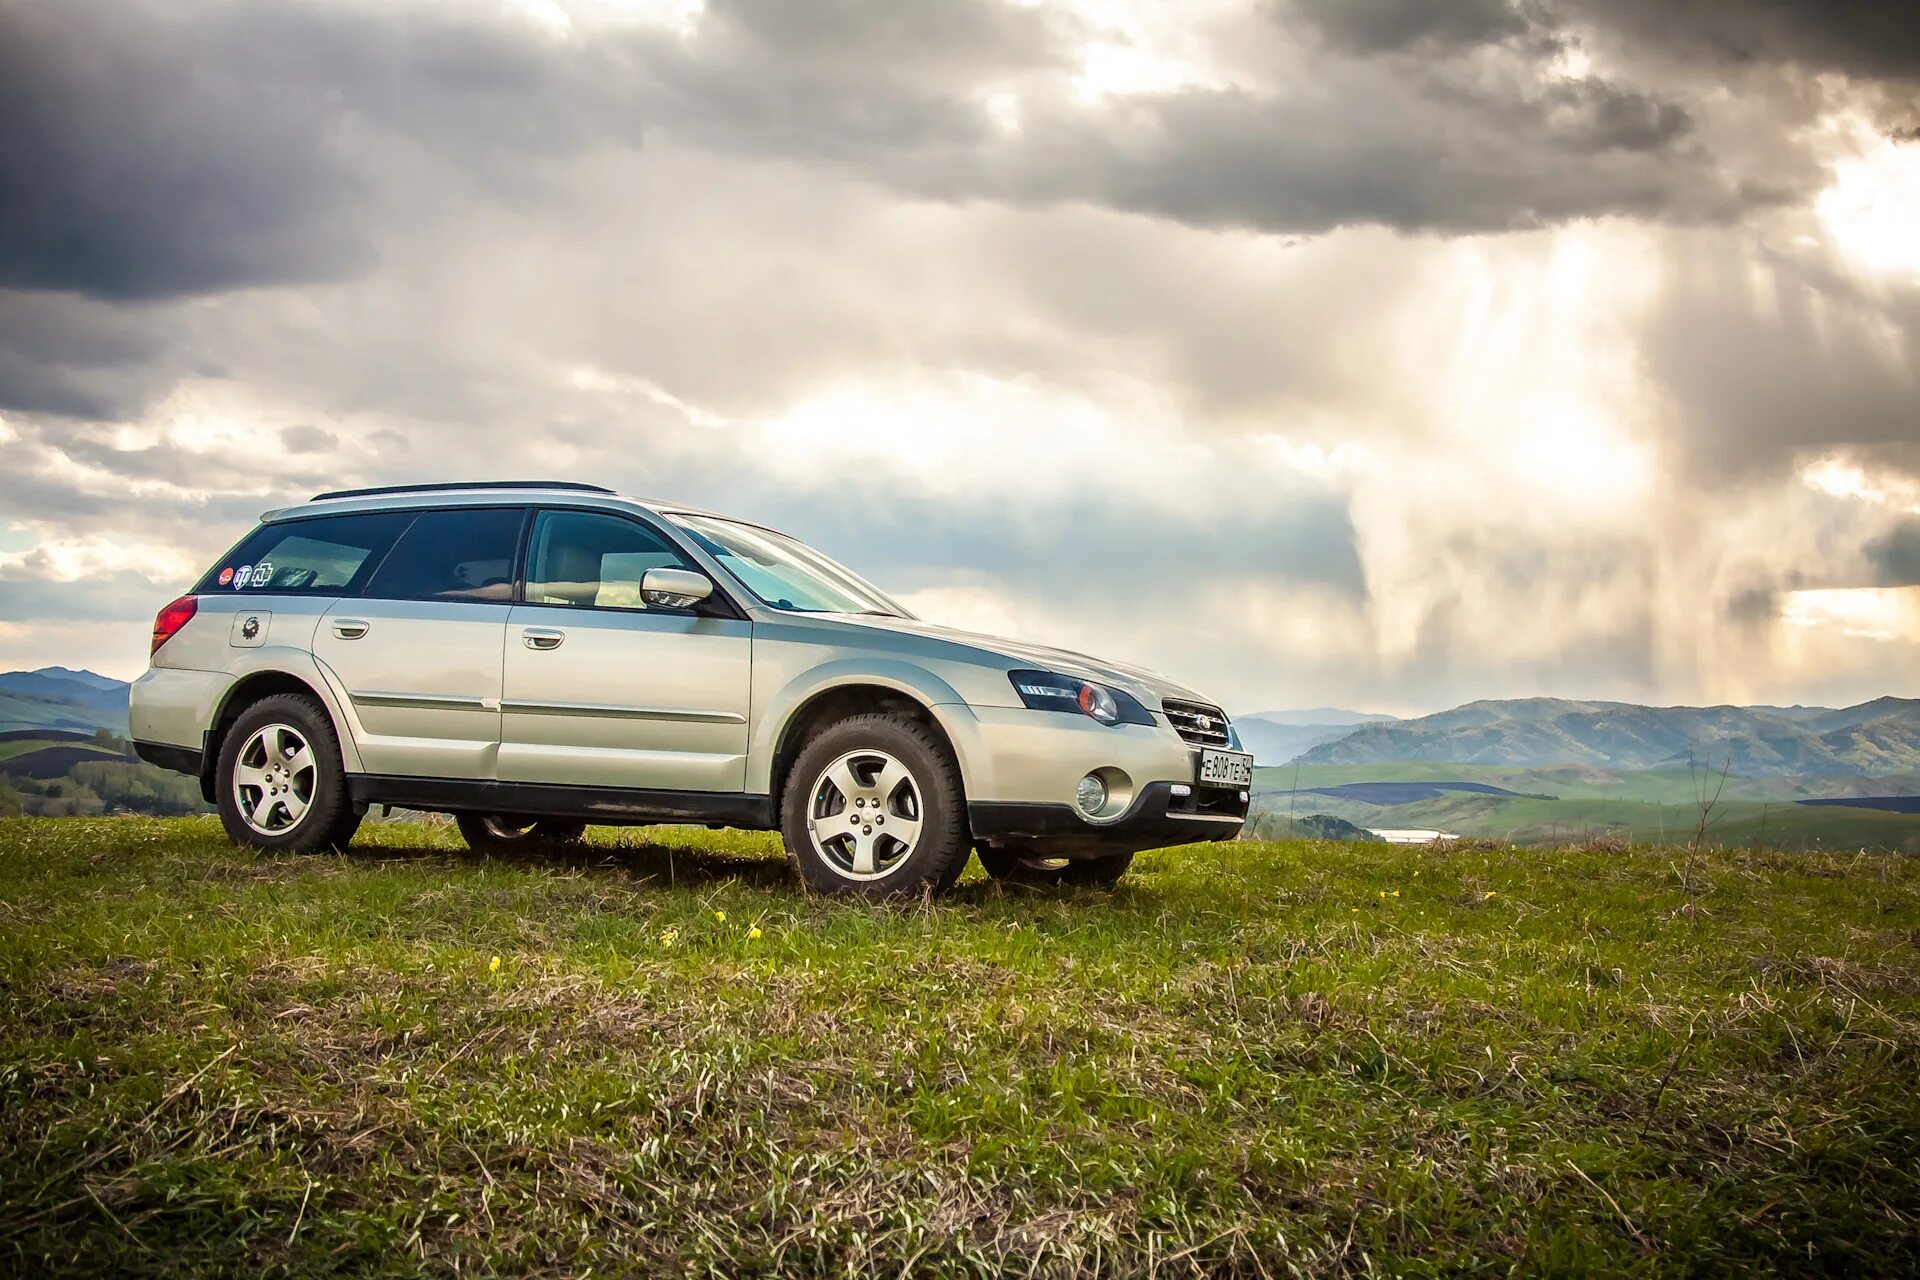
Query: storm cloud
[1376,351]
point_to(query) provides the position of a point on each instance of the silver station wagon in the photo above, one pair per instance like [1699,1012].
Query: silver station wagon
[535,657]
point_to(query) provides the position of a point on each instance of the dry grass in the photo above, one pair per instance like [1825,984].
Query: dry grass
[1265,1059]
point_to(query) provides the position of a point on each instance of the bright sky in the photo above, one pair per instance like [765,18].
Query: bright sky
[1384,355]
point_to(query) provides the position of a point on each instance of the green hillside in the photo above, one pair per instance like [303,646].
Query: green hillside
[18,711]
[1878,737]
[1648,805]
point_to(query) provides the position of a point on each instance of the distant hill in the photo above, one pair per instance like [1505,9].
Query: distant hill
[1878,737]
[59,698]
[1276,737]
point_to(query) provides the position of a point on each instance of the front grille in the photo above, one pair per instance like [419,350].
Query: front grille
[1198,723]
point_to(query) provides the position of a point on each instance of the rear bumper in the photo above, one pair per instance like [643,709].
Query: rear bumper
[1157,818]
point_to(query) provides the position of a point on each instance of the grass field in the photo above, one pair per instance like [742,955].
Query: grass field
[1258,1059]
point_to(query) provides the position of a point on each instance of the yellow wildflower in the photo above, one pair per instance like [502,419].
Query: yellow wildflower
[754,932]
[493,965]
[1489,895]
[721,916]
[670,937]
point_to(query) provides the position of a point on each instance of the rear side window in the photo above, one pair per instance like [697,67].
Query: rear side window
[461,554]
[585,560]
[327,555]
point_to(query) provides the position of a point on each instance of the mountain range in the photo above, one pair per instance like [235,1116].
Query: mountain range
[60,698]
[1877,737]
[1874,738]
[1275,737]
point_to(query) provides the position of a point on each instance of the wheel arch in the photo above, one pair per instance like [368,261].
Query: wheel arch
[267,681]
[851,693]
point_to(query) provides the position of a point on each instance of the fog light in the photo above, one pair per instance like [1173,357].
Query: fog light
[1091,794]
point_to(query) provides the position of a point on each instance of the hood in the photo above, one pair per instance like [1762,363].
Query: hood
[1148,686]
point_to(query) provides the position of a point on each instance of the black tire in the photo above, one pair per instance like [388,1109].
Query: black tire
[327,820]
[938,852]
[512,833]
[1037,868]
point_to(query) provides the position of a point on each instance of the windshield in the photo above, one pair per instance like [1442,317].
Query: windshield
[784,573]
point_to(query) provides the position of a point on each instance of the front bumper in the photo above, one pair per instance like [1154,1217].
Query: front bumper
[1157,819]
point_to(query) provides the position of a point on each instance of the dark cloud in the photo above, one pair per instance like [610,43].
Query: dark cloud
[1766,359]
[1377,26]
[1895,555]
[70,356]
[153,151]
[1413,154]
[1869,38]
[1436,144]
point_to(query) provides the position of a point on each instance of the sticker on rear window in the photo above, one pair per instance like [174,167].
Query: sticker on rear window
[226,575]
[263,573]
[240,576]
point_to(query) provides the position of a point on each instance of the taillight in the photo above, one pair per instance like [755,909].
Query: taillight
[171,619]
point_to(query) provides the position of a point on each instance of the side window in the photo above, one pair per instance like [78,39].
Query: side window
[586,560]
[326,555]
[461,554]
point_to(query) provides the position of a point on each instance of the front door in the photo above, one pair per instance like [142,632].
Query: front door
[604,690]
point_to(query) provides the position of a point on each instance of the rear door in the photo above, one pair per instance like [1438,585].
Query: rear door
[419,654]
[604,690]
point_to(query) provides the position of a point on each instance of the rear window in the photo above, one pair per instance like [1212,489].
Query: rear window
[465,553]
[325,555]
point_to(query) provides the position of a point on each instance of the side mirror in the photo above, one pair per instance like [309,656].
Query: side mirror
[675,588]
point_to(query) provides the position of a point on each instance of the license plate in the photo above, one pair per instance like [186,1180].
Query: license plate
[1225,768]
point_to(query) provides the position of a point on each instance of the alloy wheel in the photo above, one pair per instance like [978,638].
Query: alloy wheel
[273,779]
[865,815]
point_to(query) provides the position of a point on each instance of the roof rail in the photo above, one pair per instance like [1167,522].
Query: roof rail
[458,484]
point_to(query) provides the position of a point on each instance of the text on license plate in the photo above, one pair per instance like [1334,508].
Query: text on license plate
[1225,768]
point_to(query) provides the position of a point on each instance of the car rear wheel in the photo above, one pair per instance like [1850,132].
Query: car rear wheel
[279,781]
[1020,865]
[874,806]
[506,832]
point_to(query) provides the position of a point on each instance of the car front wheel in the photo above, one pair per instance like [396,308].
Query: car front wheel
[874,806]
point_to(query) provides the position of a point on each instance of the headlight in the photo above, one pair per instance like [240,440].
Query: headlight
[1048,691]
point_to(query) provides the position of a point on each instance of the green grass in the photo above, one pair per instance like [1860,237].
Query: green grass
[1254,1059]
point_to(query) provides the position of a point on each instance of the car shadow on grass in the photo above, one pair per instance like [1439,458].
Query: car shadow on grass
[657,865]
[643,862]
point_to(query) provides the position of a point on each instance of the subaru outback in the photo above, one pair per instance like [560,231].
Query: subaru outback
[532,658]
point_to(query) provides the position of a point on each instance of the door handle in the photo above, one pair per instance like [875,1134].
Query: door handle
[349,628]
[542,637]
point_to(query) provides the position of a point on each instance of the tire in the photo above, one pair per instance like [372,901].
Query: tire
[512,833]
[279,782]
[1035,867]
[886,767]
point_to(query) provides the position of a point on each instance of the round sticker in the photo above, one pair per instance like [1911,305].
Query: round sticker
[226,575]
[240,576]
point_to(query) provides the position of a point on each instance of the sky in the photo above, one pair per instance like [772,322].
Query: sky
[1369,353]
